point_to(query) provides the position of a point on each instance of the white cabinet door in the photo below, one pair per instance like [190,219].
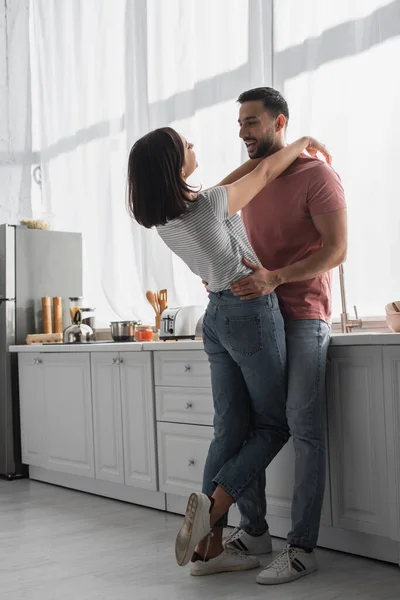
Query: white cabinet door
[33,433]
[182,368]
[107,417]
[391,362]
[68,408]
[357,440]
[138,420]
[182,452]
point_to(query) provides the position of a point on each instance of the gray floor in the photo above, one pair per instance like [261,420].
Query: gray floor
[56,544]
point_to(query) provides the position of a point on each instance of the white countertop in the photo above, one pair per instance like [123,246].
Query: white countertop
[338,339]
[97,347]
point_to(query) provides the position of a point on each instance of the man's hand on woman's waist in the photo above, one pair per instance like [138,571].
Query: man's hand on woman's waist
[260,283]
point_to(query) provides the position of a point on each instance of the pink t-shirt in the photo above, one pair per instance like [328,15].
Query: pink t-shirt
[280,228]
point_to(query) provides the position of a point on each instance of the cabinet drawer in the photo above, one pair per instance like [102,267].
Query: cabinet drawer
[185,405]
[180,368]
[182,452]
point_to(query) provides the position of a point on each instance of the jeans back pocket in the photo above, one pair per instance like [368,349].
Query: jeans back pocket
[244,334]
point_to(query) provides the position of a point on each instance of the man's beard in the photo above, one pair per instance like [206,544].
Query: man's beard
[265,147]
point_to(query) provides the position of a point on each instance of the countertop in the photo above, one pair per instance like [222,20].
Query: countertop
[338,339]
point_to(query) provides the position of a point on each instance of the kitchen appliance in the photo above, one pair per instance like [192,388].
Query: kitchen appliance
[123,331]
[34,263]
[198,333]
[78,332]
[180,323]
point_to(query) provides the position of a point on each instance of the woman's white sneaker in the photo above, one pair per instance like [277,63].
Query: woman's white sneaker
[289,565]
[227,561]
[241,541]
[196,526]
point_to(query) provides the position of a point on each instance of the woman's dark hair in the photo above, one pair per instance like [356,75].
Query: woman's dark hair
[157,192]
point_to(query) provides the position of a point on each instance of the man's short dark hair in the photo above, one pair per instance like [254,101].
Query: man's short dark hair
[273,100]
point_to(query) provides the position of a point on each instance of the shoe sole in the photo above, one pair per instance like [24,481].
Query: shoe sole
[278,581]
[185,545]
[216,570]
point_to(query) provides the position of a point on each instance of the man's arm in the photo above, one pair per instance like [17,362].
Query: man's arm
[333,230]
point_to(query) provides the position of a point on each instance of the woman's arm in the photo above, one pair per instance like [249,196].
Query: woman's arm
[243,190]
[240,172]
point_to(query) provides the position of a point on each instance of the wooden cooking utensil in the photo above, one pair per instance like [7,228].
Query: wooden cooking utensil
[163,300]
[152,300]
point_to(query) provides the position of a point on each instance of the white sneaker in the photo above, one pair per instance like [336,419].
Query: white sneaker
[291,564]
[241,541]
[227,561]
[196,526]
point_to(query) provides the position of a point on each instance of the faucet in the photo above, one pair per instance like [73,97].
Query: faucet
[346,322]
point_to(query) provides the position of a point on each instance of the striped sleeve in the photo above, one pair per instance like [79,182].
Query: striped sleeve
[218,198]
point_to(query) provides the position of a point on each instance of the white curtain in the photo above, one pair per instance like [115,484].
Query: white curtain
[337,64]
[104,72]
[15,112]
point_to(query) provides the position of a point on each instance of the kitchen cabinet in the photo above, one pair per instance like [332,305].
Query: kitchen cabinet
[357,440]
[107,416]
[391,361]
[32,409]
[138,419]
[182,451]
[124,420]
[56,412]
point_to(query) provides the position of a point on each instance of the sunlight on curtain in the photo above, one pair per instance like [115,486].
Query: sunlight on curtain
[299,20]
[351,103]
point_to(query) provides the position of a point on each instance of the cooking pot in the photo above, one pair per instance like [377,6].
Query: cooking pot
[123,331]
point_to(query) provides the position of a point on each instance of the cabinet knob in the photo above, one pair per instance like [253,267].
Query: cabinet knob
[116,361]
[191,462]
[189,405]
[120,361]
[187,368]
[37,361]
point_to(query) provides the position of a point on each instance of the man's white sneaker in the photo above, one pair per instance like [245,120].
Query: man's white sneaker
[225,562]
[196,526]
[241,541]
[291,564]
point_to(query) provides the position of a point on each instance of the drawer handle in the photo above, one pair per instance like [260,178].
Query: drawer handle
[189,405]
[191,462]
[187,368]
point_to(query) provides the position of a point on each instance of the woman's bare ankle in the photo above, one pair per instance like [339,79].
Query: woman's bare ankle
[222,501]
[211,546]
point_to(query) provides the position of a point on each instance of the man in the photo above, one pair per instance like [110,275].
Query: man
[297,226]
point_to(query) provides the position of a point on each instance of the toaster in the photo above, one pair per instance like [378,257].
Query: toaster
[180,323]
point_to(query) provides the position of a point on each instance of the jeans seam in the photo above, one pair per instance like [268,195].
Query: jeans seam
[311,419]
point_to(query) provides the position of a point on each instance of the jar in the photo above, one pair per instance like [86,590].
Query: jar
[88,317]
[144,333]
[75,304]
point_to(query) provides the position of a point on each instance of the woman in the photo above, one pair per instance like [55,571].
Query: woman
[244,341]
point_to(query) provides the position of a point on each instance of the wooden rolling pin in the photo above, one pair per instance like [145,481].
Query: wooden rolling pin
[57,312]
[46,315]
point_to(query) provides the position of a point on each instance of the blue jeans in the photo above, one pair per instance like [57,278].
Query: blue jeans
[245,344]
[307,346]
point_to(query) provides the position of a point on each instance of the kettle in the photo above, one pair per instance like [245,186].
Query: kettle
[77,333]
